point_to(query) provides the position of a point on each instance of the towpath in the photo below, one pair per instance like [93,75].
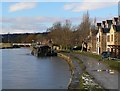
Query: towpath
[77,73]
[104,76]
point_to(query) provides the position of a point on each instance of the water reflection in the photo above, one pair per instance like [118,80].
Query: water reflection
[21,70]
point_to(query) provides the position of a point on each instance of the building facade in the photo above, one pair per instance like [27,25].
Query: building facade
[106,37]
[113,41]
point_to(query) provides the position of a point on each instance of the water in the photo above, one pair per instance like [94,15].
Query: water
[21,70]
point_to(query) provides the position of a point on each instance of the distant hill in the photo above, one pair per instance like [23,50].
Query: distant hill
[21,38]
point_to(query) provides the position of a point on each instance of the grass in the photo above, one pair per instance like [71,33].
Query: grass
[81,83]
[93,88]
[81,86]
[82,66]
[113,64]
[98,57]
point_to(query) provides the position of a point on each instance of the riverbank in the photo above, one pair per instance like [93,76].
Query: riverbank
[5,45]
[103,75]
[71,66]
[74,81]
[81,79]
[8,46]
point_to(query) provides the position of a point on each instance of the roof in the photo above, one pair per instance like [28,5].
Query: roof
[117,28]
[105,30]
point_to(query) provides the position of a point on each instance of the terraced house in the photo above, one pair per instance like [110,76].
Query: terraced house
[101,38]
[106,37]
[113,39]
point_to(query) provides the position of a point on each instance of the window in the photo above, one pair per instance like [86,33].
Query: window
[111,37]
[108,38]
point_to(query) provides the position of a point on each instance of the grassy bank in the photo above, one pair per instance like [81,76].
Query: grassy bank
[86,81]
[113,64]
[84,84]
[98,57]
[82,66]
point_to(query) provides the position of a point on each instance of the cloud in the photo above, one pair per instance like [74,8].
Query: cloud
[22,6]
[37,24]
[39,19]
[23,28]
[88,5]
[22,25]
[30,24]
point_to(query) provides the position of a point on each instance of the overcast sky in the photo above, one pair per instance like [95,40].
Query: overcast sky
[24,17]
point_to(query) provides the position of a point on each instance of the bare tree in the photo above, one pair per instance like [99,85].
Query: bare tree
[56,33]
[67,36]
[61,34]
[84,27]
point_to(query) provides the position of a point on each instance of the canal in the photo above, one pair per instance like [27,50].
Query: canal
[21,70]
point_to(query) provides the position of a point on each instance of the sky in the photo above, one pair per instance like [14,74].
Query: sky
[36,16]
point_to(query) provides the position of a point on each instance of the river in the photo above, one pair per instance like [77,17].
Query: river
[21,70]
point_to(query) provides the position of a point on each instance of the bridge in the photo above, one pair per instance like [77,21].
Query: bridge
[14,45]
[22,44]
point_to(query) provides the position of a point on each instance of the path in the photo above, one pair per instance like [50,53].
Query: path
[104,78]
[77,73]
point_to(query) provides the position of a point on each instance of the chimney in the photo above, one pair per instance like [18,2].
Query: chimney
[109,23]
[98,25]
[115,20]
[103,23]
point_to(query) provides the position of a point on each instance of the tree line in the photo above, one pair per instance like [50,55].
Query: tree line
[67,36]
[61,33]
